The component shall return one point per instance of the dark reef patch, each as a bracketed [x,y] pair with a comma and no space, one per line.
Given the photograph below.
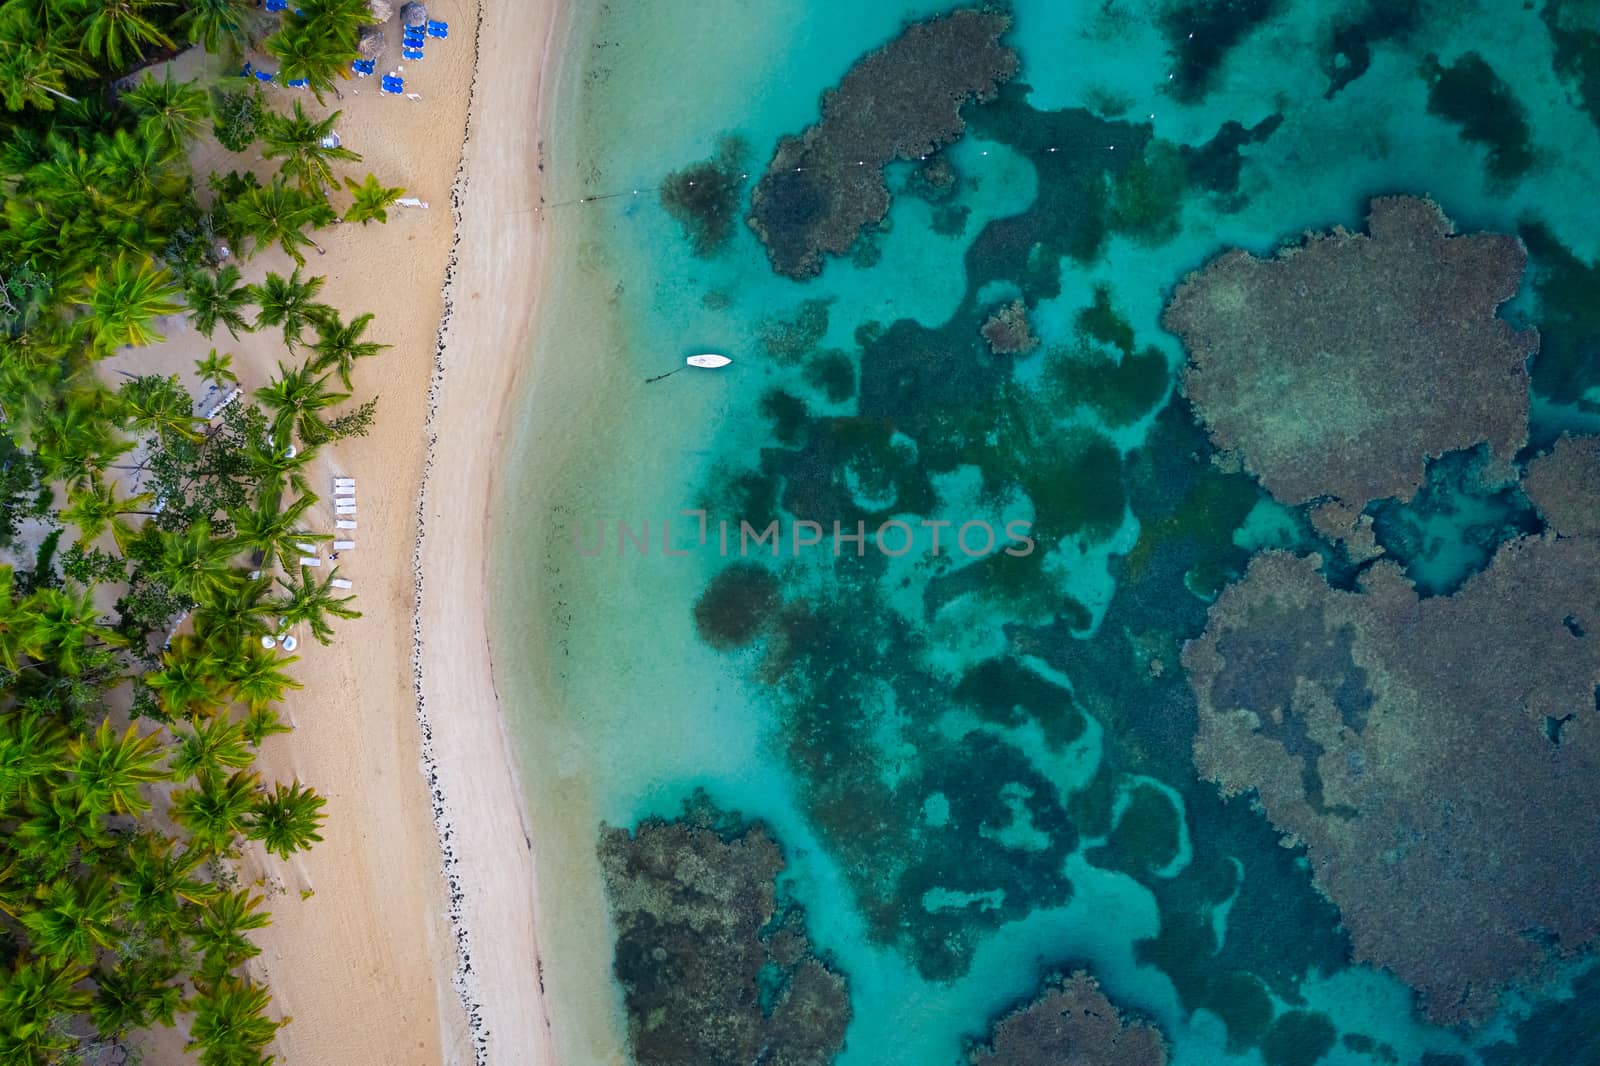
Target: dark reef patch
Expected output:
[1576,35]
[1215,165]
[1564,1031]
[1298,1038]
[1006,330]
[1350,49]
[1070,1021]
[715,965]
[1201,33]
[704,197]
[741,601]
[788,339]
[900,102]
[1470,94]
[833,373]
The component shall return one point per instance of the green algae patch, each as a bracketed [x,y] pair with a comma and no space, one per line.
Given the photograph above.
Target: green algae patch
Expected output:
[1295,361]
[1565,485]
[703,198]
[1470,94]
[1070,1021]
[1147,197]
[900,102]
[1298,1038]
[1426,819]
[1120,391]
[715,966]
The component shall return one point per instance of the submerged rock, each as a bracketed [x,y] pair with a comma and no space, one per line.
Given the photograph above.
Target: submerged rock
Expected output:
[1073,1022]
[1336,368]
[715,968]
[901,102]
[1428,753]
[1007,332]
[1565,486]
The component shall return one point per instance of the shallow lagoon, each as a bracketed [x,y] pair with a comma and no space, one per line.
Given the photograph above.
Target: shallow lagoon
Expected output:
[974,772]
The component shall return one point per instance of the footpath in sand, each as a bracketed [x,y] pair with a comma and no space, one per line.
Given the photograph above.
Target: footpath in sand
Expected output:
[400,952]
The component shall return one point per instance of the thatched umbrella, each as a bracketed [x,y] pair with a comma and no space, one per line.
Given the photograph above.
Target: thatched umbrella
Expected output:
[414,14]
[370,44]
[382,10]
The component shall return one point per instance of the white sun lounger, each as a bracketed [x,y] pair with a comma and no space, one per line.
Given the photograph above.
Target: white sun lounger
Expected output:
[340,479]
[303,546]
[341,583]
[344,523]
[344,508]
[310,560]
[344,545]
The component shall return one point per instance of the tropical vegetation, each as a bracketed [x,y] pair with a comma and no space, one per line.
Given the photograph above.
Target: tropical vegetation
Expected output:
[150,545]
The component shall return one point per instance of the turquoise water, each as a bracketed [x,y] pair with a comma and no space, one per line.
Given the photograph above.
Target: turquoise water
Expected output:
[979,769]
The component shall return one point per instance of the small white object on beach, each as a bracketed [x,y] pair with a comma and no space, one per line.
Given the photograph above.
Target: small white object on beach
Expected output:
[310,560]
[344,545]
[269,642]
[709,360]
[291,642]
[411,201]
[345,523]
[341,583]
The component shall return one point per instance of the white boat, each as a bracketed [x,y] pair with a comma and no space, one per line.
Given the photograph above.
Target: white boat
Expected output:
[710,360]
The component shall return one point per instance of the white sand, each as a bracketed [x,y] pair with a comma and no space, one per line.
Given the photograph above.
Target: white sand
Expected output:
[373,968]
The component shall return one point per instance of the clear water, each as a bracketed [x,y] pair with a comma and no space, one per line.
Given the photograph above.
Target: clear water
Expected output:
[625,709]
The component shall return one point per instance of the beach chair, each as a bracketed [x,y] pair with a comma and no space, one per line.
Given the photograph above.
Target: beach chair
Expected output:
[303,546]
[249,71]
[310,560]
[411,53]
[345,523]
[344,482]
[277,5]
[344,545]
[262,75]
[299,83]
[438,29]
[364,68]
[342,583]
[393,84]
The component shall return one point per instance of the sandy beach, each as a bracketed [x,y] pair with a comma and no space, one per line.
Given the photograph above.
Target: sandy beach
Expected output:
[407,935]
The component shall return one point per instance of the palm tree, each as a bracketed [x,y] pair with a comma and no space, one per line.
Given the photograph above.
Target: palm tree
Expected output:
[217,369]
[303,143]
[217,811]
[272,467]
[299,397]
[35,63]
[141,171]
[273,529]
[157,882]
[259,680]
[134,995]
[93,507]
[159,405]
[170,112]
[261,723]
[230,1026]
[286,820]
[109,771]
[113,27]
[290,302]
[234,616]
[279,214]
[371,200]
[187,682]
[213,24]
[56,830]
[77,436]
[64,625]
[34,997]
[72,920]
[214,745]
[217,299]
[123,300]
[339,345]
[314,49]
[31,747]
[312,602]
[196,565]
[221,928]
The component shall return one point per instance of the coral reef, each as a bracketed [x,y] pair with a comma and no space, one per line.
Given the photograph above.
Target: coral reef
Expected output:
[1071,1021]
[1007,332]
[704,197]
[787,340]
[1565,486]
[715,967]
[1336,368]
[900,102]
[1408,744]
